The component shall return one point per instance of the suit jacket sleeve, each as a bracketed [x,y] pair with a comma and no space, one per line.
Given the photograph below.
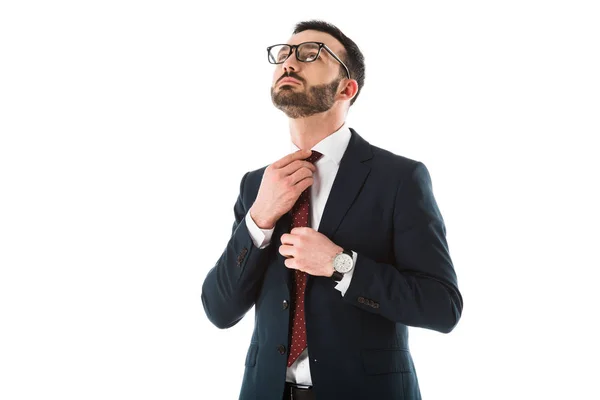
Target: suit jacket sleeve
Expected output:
[231,286]
[420,288]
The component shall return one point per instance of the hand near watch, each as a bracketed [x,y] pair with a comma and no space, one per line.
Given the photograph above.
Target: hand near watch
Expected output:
[310,251]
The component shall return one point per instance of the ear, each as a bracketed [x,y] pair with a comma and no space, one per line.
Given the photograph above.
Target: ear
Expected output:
[349,89]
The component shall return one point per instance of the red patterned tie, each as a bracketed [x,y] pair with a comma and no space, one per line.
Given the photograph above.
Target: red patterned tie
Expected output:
[300,217]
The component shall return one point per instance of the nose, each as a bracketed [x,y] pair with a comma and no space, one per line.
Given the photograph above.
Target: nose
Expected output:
[291,64]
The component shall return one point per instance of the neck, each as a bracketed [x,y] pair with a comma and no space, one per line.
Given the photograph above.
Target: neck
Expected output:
[307,132]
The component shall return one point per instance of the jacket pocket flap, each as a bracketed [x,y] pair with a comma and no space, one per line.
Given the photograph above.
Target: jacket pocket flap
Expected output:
[385,361]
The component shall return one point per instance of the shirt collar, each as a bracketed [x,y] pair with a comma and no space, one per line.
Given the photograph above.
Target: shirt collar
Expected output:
[333,146]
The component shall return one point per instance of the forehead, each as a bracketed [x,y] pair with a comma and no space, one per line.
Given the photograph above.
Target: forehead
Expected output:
[317,36]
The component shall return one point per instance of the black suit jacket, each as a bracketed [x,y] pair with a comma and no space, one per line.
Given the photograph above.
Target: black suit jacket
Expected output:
[382,206]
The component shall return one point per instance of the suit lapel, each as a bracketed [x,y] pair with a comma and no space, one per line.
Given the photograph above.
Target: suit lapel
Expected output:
[347,184]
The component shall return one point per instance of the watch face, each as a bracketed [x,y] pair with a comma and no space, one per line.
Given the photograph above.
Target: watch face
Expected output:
[343,263]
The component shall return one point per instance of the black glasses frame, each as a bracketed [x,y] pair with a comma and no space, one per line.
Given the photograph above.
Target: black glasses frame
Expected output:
[292,46]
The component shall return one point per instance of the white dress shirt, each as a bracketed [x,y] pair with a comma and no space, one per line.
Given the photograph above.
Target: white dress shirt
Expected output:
[333,148]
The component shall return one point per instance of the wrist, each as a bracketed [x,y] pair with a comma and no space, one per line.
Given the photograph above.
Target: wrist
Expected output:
[262,223]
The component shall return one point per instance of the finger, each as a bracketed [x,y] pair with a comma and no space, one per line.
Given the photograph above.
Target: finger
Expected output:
[288,239]
[303,184]
[297,165]
[297,155]
[290,263]
[300,175]
[299,230]
[287,251]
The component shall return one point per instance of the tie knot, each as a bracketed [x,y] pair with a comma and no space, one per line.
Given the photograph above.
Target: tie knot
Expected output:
[314,157]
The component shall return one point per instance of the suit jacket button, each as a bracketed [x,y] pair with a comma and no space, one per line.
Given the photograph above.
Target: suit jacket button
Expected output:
[281,349]
[361,299]
[285,304]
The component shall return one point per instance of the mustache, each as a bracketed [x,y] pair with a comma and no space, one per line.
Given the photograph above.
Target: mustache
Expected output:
[290,75]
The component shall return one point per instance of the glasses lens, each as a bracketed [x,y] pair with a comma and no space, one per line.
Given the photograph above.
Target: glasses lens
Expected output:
[279,53]
[308,51]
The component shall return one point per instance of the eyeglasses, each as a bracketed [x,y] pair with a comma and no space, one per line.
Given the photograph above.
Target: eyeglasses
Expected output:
[305,52]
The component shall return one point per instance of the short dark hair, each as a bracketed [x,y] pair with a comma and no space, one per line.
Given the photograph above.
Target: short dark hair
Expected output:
[353,58]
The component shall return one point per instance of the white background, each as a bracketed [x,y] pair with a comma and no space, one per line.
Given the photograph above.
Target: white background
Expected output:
[126,127]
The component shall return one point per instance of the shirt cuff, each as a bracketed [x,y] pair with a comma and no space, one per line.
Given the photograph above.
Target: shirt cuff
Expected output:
[260,237]
[344,283]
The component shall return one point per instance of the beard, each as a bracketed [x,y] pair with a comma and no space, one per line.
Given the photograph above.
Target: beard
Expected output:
[319,98]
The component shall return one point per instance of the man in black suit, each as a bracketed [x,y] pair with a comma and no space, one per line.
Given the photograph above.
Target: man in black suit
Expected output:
[332,305]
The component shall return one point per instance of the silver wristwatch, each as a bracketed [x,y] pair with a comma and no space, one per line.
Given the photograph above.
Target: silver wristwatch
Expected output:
[342,263]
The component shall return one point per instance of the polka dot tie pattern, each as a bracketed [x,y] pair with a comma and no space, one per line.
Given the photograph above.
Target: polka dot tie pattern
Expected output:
[300,218]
